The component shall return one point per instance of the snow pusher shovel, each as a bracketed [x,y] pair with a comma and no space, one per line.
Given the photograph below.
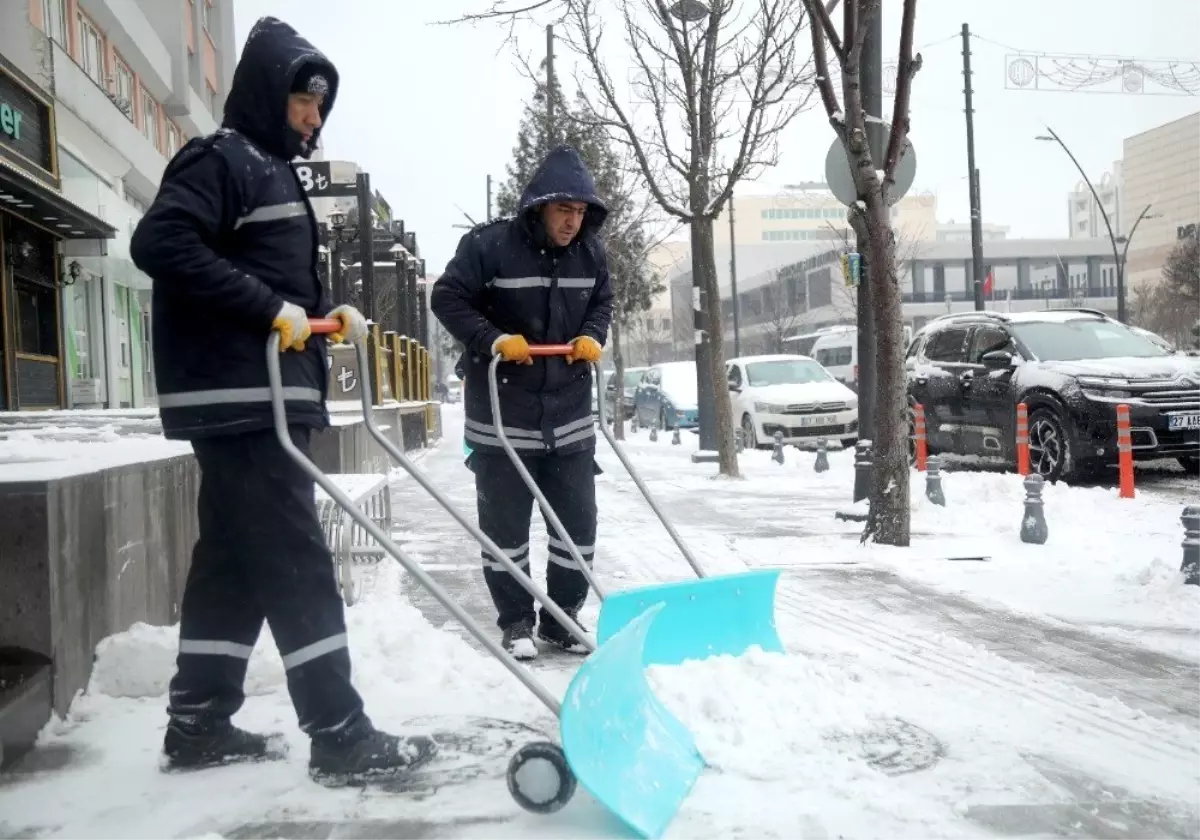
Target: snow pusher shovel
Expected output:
[726,614]
[612,726]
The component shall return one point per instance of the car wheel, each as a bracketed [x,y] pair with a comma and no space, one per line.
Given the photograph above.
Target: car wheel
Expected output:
[1050,454]
[1190,464]
[749,435]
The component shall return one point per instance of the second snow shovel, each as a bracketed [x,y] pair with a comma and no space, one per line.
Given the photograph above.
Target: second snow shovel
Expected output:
[726,614]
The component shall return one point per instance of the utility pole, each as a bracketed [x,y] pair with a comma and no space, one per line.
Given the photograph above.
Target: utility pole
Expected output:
[551,134]
[489,198]
[737,332]
[871,77]
[973,176]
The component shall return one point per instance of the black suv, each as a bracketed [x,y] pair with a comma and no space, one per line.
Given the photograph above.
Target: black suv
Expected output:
[1071,368]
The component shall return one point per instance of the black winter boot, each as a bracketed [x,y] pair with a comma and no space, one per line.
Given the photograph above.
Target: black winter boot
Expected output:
[210,745]
[551,632]
[518,640]
[365,754]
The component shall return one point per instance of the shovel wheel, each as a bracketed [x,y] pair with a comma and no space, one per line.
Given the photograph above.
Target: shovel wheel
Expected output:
[539,779]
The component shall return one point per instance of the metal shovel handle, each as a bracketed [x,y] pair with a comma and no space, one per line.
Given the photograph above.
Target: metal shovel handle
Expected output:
[324,326]
[637,479]
[543,502]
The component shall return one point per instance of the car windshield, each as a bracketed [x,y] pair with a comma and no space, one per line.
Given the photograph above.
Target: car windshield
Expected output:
[1066,341]
[679,382]
[785,372]
[633,377]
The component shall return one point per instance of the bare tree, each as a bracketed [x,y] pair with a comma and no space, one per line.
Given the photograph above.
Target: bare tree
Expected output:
[649,338]
[888,521]
[1170,305]
[781,313]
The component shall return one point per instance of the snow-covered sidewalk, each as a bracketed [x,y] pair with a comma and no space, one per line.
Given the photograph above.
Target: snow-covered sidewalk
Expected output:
[891,715]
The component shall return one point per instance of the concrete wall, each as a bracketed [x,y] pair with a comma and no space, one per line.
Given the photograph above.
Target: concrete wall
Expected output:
[88,556]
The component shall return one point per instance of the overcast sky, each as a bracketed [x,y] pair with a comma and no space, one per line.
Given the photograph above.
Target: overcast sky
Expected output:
[430,110]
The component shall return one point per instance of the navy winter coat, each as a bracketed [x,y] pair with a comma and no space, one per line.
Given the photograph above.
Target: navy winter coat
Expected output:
[228,239]
[508,278]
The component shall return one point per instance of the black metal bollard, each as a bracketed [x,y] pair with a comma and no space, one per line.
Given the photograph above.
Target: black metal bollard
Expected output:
[654,432]
[822,462]
[933,480]
[863,467]
[1191,545]
[675,437]
[777,453]
[1033,524]
[739,440]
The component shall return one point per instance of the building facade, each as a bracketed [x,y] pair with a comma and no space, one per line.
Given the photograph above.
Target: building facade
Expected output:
[814,215]
[1085,219]
[129,82]
[1162,173]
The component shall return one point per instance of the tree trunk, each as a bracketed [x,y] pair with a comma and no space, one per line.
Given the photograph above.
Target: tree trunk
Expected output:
[618,411]
[704,261]
[888,521]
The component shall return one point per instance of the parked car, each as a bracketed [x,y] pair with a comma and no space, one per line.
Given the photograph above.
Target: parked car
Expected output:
[633,375]
[836,350]
[453,389]
[791,394]
[1071,368]
[667,393]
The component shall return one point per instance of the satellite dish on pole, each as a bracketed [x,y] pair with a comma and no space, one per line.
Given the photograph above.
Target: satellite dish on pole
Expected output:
[841,180]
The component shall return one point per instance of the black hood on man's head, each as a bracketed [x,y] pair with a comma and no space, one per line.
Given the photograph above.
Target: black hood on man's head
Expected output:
[563,176]
[257,103]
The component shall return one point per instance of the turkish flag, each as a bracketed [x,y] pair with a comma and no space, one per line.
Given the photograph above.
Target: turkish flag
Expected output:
[987,284]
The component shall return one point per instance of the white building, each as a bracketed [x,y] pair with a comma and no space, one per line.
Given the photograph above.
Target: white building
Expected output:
[1086,220]
[131,81]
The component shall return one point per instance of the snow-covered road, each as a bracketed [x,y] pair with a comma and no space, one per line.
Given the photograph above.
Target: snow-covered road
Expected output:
[1043,691]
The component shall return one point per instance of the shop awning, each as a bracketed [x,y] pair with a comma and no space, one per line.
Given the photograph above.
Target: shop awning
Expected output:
[24,196]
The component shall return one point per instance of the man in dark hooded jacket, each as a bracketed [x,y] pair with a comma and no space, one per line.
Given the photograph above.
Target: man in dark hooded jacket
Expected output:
[231,245]
[539,278]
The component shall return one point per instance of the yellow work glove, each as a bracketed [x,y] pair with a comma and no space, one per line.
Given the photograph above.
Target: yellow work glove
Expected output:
[585,349]
[354,325]
[512,348]
[291,322]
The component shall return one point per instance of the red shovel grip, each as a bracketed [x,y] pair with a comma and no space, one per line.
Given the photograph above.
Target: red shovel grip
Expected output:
[325,326]
[551,350]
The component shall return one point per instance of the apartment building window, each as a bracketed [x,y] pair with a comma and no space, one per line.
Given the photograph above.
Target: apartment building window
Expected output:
[122,86]
[172,139]
[205,9]
[212,99]
[91,50]
[54,19]
[150,119]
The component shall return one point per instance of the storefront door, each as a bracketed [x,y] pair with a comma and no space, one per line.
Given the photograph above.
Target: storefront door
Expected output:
[33,355]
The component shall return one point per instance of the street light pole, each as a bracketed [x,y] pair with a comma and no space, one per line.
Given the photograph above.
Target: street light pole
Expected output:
[1112,237]
[1132,231]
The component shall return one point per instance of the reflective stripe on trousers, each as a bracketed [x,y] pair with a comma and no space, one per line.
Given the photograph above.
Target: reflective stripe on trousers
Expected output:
[520,556]
[484,434]
[216,647]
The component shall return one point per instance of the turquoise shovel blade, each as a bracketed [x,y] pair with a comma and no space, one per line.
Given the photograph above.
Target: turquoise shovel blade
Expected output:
[700,618]
[623,746]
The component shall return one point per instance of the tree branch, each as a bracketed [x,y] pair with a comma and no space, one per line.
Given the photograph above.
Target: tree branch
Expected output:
[907,69]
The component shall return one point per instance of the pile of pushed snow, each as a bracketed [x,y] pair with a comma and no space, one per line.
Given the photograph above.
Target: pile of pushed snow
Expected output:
[773,716]
[397,656]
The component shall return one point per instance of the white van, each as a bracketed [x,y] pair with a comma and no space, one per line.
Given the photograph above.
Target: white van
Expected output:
[837,352]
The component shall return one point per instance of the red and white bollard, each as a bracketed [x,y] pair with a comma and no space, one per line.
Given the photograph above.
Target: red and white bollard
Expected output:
[920,440]
[1022,439]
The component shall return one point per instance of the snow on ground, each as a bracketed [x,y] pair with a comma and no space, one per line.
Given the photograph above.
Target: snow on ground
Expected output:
[50,452]
[1109,563]
[797,744]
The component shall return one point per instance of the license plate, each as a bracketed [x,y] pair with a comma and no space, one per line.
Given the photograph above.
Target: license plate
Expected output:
[817,420]
[1184,421]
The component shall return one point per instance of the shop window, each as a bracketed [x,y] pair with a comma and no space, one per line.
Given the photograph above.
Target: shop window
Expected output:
[36,332]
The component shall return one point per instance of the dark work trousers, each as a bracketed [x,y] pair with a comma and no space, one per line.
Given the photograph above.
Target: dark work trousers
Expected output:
[261,554]
[505,507]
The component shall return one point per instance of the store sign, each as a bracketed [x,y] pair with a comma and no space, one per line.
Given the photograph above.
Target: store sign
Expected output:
[26,127]
[320,181]
[345,379]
